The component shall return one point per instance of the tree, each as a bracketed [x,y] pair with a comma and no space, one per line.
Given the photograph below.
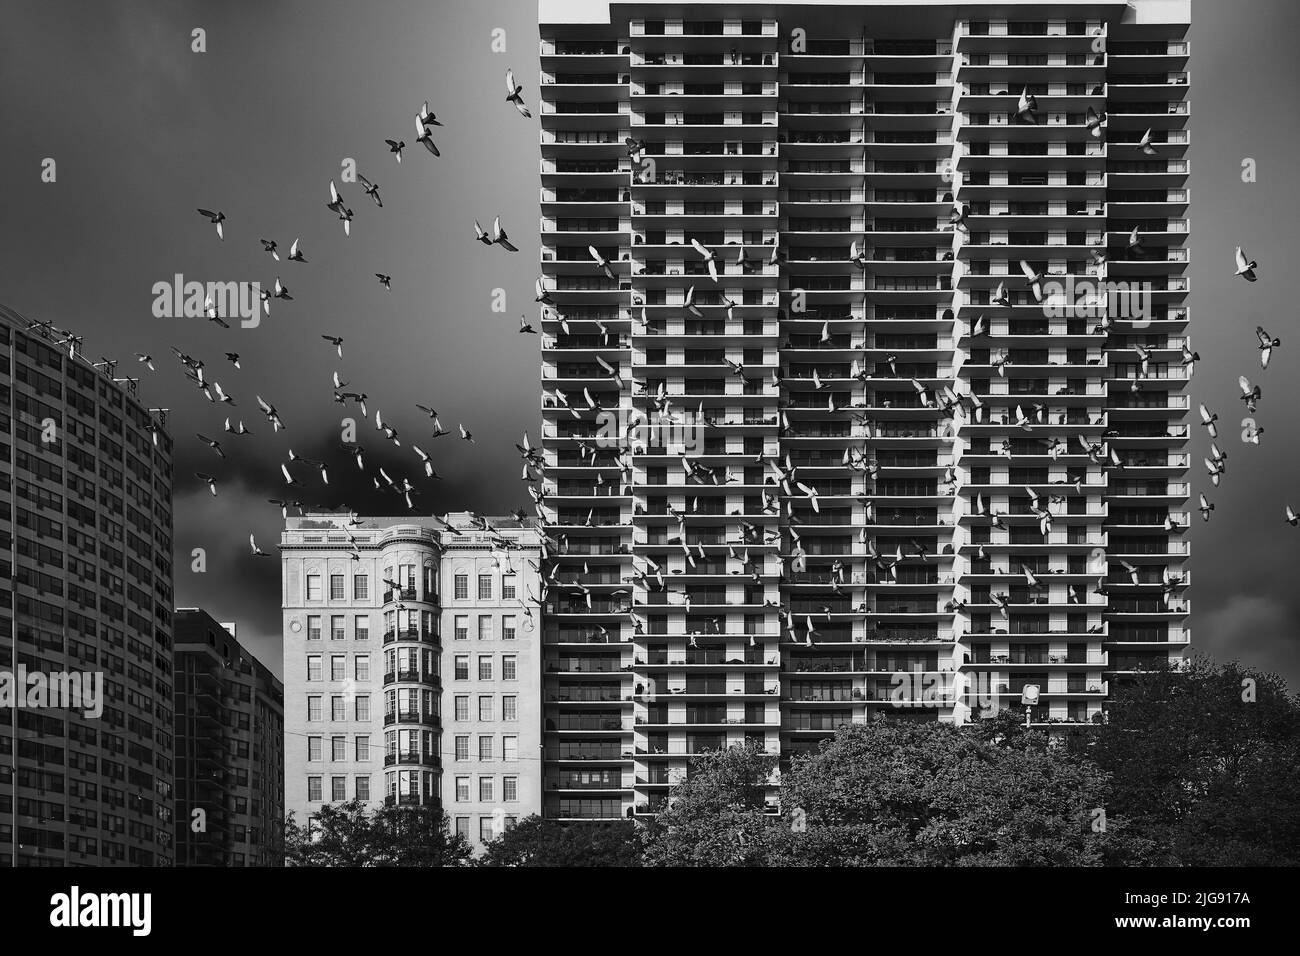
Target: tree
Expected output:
[715,817]
[900,793]
[534,841]
[1205,761]
[350,834]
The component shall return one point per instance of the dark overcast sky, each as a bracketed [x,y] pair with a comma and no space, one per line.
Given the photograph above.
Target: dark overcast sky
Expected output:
[143,131]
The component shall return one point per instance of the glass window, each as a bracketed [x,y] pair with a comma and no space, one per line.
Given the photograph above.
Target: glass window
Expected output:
[485,833]
[361,627]
[462,587]
[338,666]
[313,748]
[485,748]
[485,667]
[507,587]
[336,587]
[485,587]
[363,788]
[462,748]
[337,709]
[363,707]
[338,748]
[361,591]
[337,629]
[462,789]
[313,707]
[461,627]
[508,667]
[510,789]
[462,666]
[363,748]
[484,627]
[313,788]
[510,748]
[338,788]
[485,789]
[462,824]
[313,587]
[313,627]
[462,708]
[508,627]
[361,667]
[510,707]
[485,708]
[313,667]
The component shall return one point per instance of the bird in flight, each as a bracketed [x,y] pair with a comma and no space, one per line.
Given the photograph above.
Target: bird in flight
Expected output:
[146,360]
[257,552]
[1245,267]
[1145,144]
[336,341]
[295,254]
[500,238]
[212,443]
[385,281]
[424,136]
[1267,344]
[371,189]
[271,414]
[525,327]
[212,482]
[216,218]
[395,147]
[1291,517]
[270,246]
[1250,394]
[514,94]
[233,358]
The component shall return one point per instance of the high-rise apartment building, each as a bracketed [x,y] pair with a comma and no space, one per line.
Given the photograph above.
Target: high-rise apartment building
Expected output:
[412,665]
[229,711]
[86,579]
[931,407]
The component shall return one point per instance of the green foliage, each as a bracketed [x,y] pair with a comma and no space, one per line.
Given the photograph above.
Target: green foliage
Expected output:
[534,841]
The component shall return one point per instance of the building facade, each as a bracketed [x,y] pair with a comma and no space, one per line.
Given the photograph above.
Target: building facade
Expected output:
[412,666]
[229,712]
[86,576]
[854,253]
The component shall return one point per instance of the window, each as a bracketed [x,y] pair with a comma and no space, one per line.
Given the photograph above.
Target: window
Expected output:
[461,628]
[462,826]
[313,788]
[462,789]
[484,627]
[510,707]
[361,667]
[485,708]
[338,748]
[485,667]
[508,627]
[361,628]
[338,788]
[337,631]
[485,830]
[462,666]
[313,627]
[363,707]
[361,590]
[313,587]
[430,582]
[338,667]
[462,587]
[462,748]
[313,748]
[485,789]
[313,707]
[509,667]
[485,748]
[337,709]
[313,667]
[485,587]
[363,749]
[462,708]
[510,747]
[507,587]
[336,587]
[509,789]
[363,788]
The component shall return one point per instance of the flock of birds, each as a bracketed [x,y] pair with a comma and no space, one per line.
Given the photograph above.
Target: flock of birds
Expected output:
[235,432]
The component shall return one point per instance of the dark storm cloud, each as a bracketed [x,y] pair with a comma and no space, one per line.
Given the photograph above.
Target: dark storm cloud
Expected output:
[143,131]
